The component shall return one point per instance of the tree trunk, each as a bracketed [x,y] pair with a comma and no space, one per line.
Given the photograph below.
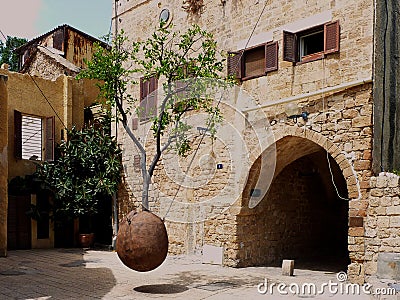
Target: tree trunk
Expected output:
[145,192]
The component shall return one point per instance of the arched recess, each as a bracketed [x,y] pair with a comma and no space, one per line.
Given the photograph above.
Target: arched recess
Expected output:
[302,216]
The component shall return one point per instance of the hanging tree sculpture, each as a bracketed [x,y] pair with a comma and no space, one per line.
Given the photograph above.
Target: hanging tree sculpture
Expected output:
[169,56]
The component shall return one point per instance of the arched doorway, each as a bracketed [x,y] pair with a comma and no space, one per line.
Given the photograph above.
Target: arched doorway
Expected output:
[304,214]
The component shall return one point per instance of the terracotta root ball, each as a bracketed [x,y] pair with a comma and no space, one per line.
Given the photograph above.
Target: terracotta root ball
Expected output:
[142,241]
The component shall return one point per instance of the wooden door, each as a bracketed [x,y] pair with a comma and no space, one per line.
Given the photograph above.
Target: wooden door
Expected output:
[18,223]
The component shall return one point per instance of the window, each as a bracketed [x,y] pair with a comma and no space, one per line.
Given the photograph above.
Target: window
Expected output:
[253,62]
[148,98]
[34,137]
[311,44]
[58,39]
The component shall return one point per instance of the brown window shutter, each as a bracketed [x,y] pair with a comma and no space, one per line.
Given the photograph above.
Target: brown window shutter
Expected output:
[58,39]
[289,46]
[152,103]
[49,139]
[235,64]
[17,134]
[144,91]
[271,57]
[331,37]
[148,99]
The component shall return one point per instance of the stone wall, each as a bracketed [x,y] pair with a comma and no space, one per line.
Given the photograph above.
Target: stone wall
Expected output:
[300,218]
[47,67]
[233,21]
[382,223]
[3,164]
[340,122]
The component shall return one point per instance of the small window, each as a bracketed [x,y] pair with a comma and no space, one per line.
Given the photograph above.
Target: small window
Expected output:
[148,98]
[58,40]
[34,137]
[31,137]
[253,62]
[311,44]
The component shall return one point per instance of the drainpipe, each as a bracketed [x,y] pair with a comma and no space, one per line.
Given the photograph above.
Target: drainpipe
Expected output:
[327,90]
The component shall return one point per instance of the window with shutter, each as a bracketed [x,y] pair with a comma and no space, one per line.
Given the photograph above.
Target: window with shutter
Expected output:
[311,44]
[33,137]
[253,62]
[148,98]
[271,57]
[331,37]
[289,46]
[31,133]
[235,64]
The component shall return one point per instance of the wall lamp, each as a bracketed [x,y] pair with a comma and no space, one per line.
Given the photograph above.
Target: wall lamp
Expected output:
[293,112]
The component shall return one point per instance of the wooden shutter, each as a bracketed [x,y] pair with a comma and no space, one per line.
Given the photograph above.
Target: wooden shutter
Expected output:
[289,46]
[144,91]
[235,64]
[152,97]
[17,134]
[49,138]
[58,39]
[331,37]
[148,99]
[271,57]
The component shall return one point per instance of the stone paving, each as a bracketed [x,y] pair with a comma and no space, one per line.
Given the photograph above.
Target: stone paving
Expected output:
[91,274]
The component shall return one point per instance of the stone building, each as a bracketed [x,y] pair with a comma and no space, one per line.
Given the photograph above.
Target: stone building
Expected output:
[35,107]
[33,113]
[321,204]
[59,51]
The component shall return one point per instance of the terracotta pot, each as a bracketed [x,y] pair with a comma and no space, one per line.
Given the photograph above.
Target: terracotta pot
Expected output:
[142,241]
[86,239]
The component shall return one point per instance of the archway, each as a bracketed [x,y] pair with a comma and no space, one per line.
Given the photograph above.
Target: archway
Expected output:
[304,214]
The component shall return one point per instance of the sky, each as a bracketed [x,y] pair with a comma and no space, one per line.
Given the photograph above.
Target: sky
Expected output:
[32,18]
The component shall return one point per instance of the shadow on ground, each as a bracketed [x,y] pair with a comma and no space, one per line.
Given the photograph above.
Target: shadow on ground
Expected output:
[161,289]
[60,274]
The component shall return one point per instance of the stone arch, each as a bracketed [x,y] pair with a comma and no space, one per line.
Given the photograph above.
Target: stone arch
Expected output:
[315,139]
[296,148]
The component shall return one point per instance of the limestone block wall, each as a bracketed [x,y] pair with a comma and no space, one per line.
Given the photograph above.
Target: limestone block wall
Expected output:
[382,223]
[232,22]
[340,122]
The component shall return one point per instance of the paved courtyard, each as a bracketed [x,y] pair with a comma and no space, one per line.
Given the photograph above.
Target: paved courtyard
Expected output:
[90,274]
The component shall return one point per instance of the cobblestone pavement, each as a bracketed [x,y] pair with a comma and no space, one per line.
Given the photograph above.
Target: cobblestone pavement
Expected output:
[80,274]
